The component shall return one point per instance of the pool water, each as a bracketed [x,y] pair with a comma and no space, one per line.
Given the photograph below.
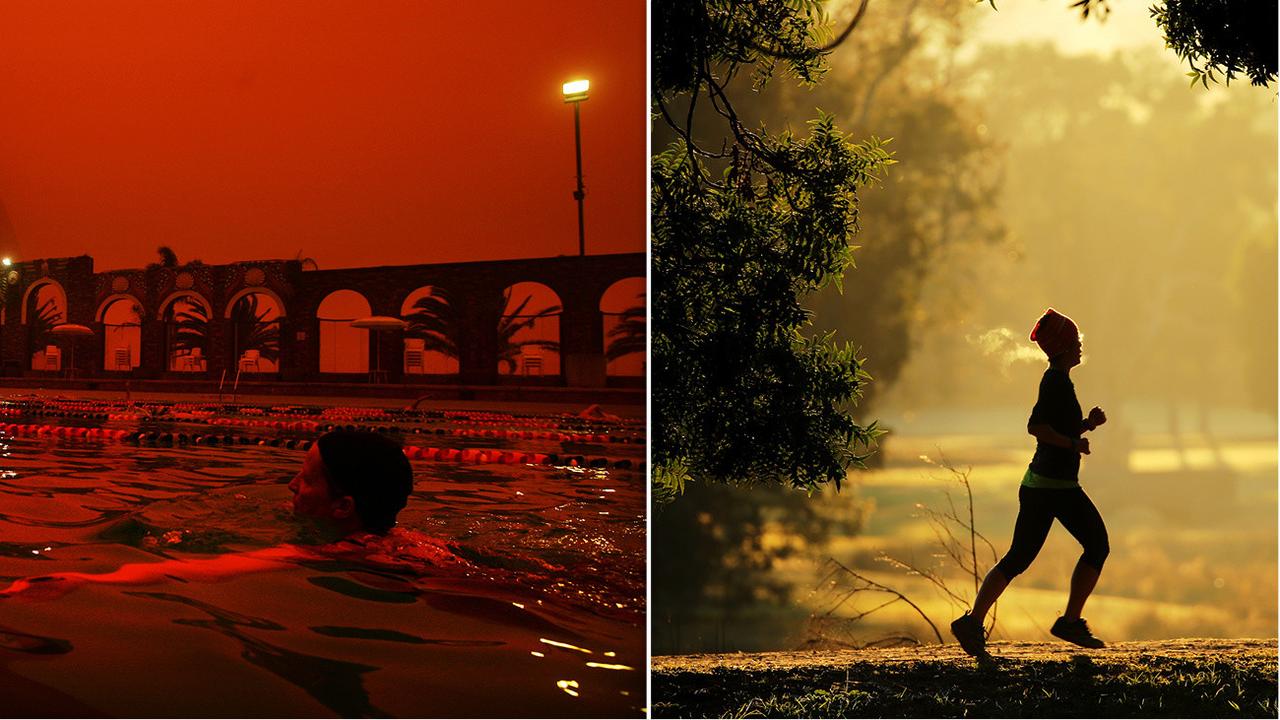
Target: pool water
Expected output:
[507,590]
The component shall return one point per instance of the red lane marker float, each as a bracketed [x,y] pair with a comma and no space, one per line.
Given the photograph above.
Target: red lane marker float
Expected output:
[539,435]
[472,456]
[506,457]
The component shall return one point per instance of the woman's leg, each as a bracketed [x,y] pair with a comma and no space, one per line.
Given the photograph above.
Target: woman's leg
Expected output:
[1081,518]
[1035,517]
[992,588]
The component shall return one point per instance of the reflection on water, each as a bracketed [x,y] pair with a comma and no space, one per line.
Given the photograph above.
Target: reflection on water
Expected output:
[337,685]
[529,574]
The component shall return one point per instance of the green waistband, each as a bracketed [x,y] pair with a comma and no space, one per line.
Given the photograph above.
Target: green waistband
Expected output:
[1040,481]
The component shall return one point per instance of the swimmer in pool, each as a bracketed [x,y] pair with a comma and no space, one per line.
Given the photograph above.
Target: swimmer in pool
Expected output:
[352,484]
[353,481]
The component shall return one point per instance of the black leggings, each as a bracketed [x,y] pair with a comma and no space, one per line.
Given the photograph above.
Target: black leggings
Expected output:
[1037,508]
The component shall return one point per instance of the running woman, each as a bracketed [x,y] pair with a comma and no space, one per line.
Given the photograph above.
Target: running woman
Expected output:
[1050,489]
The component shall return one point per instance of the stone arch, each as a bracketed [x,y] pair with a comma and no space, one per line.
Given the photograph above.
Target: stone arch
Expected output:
[343,349]
[433,338]
[35,289]
[528,331]
[176,294]
[185,315]
[120,316]
[253,322]
[109,300]
[283,311]
[42,350]
[622,310]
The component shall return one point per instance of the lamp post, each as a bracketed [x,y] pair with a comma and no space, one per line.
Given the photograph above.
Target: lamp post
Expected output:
[575,92]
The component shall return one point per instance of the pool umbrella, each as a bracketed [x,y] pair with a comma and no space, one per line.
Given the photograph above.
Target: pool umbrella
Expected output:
[72,331]
[378,323]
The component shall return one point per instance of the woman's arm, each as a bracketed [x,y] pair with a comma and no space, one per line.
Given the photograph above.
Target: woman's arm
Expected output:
[1045,433]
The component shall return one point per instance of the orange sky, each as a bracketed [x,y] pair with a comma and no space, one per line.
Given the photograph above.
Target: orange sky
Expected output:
[359,132]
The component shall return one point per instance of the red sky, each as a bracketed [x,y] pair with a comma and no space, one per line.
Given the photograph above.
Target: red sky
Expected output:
[361,132]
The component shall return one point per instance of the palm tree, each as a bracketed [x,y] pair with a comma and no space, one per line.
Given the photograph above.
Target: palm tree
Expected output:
[42,323]
[439,323]
[307,263]
[628,336]
[253,330]
[512,323]
[190,326]
[168,258]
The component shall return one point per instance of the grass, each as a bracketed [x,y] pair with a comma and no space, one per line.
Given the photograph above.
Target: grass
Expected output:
[1141,680]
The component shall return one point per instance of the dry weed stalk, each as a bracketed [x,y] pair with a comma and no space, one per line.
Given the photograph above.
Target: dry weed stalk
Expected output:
[958,538]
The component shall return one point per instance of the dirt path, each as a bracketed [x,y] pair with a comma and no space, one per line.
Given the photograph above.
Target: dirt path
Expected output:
[1167,678]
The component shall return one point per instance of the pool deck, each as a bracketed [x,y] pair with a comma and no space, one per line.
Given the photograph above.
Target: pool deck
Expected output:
[623,402]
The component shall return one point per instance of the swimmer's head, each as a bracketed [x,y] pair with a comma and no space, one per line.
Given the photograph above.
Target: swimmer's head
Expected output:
[356,480]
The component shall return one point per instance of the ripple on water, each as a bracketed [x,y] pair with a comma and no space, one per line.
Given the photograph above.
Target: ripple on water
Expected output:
[514,570]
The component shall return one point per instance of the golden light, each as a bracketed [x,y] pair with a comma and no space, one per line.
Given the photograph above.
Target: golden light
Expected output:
[7,262]
[576,90]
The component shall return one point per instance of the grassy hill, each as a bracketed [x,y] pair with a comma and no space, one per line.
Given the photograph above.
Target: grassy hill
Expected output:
[1164,678]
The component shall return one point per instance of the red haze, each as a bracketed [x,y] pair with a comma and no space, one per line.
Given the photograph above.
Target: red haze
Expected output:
[361,133]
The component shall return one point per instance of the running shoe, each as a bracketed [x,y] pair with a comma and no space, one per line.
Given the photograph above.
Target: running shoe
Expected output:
[969,632]
[1076,631]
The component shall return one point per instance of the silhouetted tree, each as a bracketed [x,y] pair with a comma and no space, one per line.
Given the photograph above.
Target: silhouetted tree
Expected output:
[439,323]
[190,326]
[715,553]
[746,224]
[939,210]
[253,330]
[308,263]
[1214,37]
[709,561]
[513,322]
[168,258]
[42,322]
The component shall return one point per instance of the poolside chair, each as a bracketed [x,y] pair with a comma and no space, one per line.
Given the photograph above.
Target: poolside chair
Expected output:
[531,361]
[188,361]
[123,361]
[249,361]
[52,357]
[414,355]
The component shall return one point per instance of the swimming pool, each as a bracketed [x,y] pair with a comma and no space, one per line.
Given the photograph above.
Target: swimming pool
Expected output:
[512,589]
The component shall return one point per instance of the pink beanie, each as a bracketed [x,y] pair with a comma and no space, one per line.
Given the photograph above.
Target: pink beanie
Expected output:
[1054,332]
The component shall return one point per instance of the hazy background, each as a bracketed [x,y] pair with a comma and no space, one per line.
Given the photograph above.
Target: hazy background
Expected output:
[1044,161]
[355,133]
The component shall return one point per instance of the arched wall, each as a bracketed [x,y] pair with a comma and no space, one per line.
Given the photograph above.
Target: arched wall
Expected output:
[110,299]
[579,282]
[284,310]
[35,288]
[114,337]
[528,331]
[164,304]
[432,352]
[622,311]
[343,349]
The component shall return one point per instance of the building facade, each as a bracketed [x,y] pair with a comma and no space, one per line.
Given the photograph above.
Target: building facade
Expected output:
[537,321]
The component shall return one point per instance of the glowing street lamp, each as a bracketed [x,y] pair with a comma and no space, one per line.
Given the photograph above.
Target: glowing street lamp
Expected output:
[575,92]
